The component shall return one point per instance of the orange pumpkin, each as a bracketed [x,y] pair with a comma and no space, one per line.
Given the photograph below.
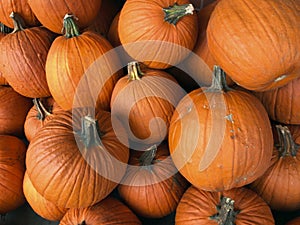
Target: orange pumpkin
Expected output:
[4,30]
[294,221]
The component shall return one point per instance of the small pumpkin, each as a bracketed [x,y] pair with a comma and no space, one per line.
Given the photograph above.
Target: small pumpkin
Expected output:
[236,206]
[256,42]
[160,29]
[220,138]
[39,204]
[106,212]
[12,169]
[279,185]
[78,64]
[152,186]
[4,30]
[23,58]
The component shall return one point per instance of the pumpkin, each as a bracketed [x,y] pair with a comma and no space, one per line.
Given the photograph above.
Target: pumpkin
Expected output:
[163,31]
[12,168]
[256,42]
[39,204]
[39,114]
[236,206]
[4,30]
[75,154]
[18,6]
[144,101]
[294,221]
[13,110]
[23,59]
[51,13]
[82,65]
[220,138]
[152,186]
[106,212]
[282,104]
[279,186]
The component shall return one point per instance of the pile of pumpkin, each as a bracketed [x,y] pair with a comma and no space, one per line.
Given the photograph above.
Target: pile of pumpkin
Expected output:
[188,107]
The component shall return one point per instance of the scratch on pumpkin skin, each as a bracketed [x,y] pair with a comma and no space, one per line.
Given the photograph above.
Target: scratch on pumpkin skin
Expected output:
[229,118]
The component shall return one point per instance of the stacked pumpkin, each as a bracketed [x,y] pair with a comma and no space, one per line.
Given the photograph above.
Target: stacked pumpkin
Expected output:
[98,125]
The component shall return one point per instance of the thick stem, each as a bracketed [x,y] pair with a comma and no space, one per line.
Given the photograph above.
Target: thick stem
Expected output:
[219,83]
[134,71]
[18,22]
[148,156]
[174,13]
[4,29]
[82,223]
[70,29]
[90,132]
[42,111]
[226,214]
[287,146]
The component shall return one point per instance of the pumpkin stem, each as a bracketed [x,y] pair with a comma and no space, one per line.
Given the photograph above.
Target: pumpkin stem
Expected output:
[287,146]
[4,29]
[90,132]
[42,111]
[226,214]
[18,22]
[219,83]
[134,71]
[82,223]
[148,156]
[69,26]
[174,13]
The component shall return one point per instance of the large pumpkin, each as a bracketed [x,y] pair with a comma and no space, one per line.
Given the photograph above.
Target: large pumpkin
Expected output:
[70,165]
[77,65]
[152,186]
[51,13]
[12,169]
[13,111]
[106,212]
[220,138]
[256,42]
[23,59]
[144,101]
[163,31]
[236,206]
[4,30]
[279,186]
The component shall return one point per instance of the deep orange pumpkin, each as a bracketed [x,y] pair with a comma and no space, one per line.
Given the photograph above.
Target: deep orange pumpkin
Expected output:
[70,165]
[39,204]
[81,57]
[23,59]
[108,211]
[294,221]
[236,206]
[12,169]
[163,31]
[152,186]
[220,138]
[4,30]
[279,186]
[256,42]
[51,13]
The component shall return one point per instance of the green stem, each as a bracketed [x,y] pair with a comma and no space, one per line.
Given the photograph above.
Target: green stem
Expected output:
[148,156]
[42,111]
[287,146]
[134,71]
[219,83]
[226,214]
[18,22]
[4,29]
[69,26]
[174,13]
[90,132]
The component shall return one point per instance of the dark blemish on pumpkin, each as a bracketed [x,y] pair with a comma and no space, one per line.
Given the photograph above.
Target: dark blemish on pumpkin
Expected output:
[232,136]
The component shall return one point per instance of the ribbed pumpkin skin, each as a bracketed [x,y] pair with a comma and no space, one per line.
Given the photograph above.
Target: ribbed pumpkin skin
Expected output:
[23,59]
[197,206]
[107,212]
[149,24]
[152,192]
[12,169]
[68,61]
[39,204]
[245,139]
[57,167]
[283,104]
[13,111]
[256,42]
[51,13]
[294,221]
[18,6]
